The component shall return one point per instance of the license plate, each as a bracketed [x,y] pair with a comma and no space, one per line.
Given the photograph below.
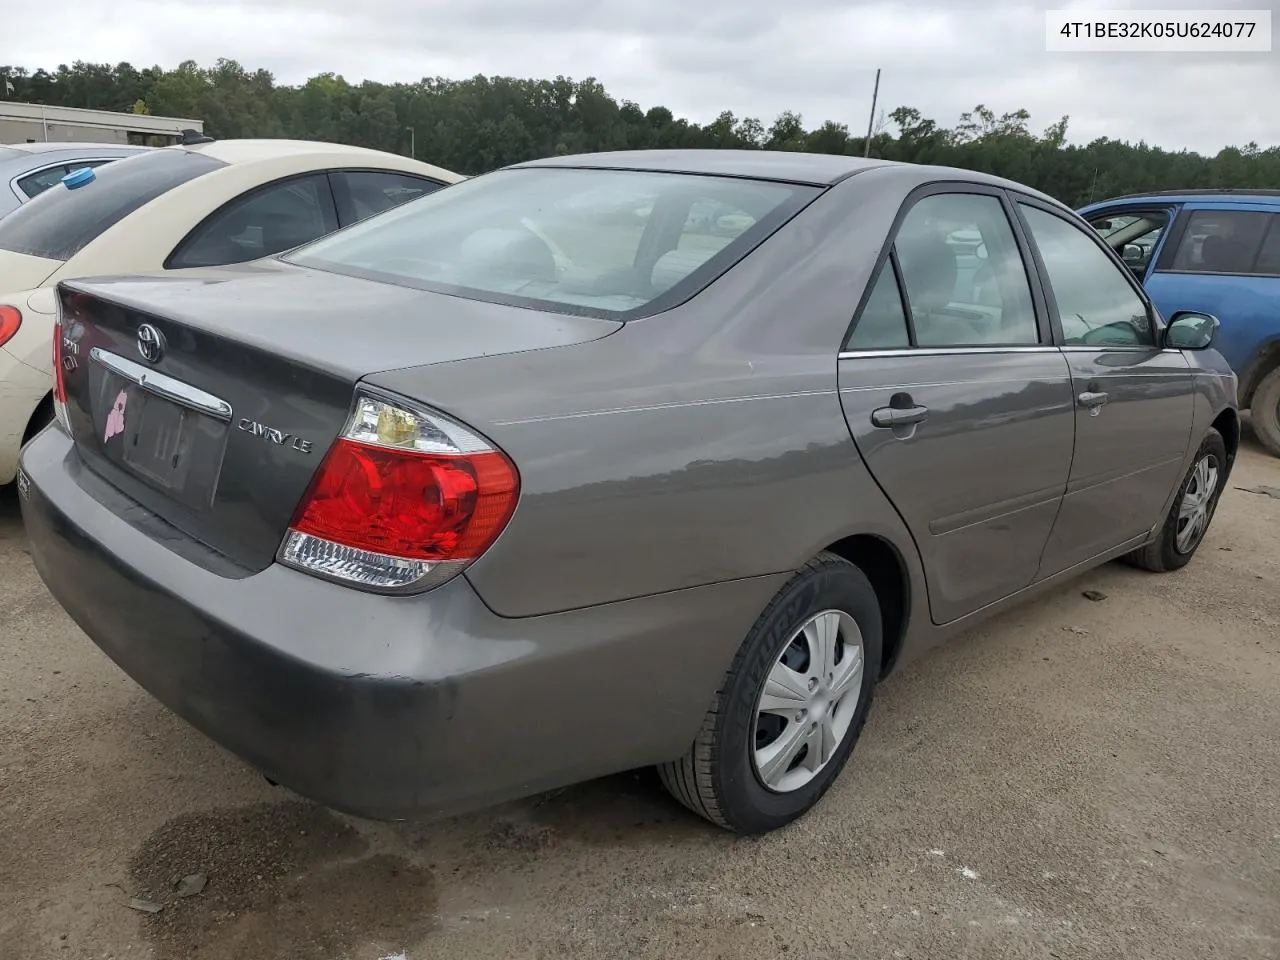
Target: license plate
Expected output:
[156,441]
[164,444]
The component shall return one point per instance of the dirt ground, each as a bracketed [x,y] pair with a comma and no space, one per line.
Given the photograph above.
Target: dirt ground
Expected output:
[1076,779]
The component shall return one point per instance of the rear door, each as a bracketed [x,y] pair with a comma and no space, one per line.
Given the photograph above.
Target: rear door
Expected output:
[1133,400]
[956,398]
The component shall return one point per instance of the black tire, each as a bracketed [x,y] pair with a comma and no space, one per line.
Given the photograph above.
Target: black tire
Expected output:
[1264,412]
[1162,553]
[41,418]
[717,778]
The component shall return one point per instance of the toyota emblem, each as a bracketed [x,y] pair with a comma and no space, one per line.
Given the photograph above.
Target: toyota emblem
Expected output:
[150,343]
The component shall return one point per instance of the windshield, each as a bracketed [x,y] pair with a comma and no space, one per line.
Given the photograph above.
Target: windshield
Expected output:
[597,242]
[57,224]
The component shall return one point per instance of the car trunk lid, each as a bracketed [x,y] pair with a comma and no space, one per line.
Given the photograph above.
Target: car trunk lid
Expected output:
[212,399]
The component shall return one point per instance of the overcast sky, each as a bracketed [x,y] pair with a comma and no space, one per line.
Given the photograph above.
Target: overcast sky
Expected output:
[754,57]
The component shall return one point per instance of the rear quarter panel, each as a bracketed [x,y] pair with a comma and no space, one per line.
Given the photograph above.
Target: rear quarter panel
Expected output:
[704,444]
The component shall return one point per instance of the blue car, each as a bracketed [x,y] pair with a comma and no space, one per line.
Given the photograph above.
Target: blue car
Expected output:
[1217,252]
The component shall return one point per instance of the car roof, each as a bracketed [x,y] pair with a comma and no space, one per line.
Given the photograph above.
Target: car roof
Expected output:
[251,151]
[1221,195]
[56,146]
[821,169]
[818,169]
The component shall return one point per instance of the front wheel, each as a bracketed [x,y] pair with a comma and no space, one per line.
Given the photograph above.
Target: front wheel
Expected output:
[792,705]
[1192,511]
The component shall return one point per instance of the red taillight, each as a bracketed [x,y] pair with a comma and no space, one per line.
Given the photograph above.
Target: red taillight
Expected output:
[10,321]
[411,505]
[404,499]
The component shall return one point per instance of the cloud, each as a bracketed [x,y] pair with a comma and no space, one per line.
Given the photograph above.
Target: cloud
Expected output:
[754,57]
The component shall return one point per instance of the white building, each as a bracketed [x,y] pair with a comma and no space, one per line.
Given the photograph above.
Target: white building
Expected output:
[36,123]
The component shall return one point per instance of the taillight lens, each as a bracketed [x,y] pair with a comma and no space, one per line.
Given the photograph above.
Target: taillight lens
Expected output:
[403,500]
[10,321]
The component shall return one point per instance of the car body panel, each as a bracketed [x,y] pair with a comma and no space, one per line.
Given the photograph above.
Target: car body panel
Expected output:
[386,728]
[1129,451]
[674,474]
[980,481]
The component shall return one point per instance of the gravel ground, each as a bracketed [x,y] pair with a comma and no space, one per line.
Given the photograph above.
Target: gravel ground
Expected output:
[1076,779]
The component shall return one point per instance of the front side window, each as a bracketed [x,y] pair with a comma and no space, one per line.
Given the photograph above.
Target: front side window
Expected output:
[1096,302]
[262,223]
[1133,236]
[1221,241]
[362,193]
[964,278]
[58,223]
[612,243]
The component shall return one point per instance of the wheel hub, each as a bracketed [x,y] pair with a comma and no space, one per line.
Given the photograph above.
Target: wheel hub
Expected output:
[808,701]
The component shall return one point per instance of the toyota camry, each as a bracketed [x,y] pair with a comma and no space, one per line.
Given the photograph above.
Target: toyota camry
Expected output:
[606,461]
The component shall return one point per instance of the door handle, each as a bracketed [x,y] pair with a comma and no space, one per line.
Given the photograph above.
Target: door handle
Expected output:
[1092,398]
[899,416]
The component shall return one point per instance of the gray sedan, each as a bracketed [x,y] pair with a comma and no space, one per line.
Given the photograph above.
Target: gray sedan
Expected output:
[29,169]
[540,477]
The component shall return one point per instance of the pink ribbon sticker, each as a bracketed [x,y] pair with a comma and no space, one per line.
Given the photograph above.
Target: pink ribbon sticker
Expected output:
[115,419]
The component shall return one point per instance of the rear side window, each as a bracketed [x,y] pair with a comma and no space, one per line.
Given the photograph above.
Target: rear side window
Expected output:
[267,221]
[1269,255]
[59,223]
[611,243]
[1221,241]
[362,193]
[40,181]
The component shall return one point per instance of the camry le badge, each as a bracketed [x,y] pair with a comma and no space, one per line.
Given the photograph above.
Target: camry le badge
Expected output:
[272,435]
[150,343]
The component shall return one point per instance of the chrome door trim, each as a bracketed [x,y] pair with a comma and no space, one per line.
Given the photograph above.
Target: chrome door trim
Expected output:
[164,386]
[942,351]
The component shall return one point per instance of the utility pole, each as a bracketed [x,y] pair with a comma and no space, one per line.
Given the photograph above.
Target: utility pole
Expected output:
[413,155]
[871,120]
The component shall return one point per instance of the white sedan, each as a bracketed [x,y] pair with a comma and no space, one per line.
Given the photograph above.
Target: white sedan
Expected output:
[195,205]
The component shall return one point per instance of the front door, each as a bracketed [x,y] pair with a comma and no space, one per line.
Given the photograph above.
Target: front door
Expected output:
[959,404]
[1133,399]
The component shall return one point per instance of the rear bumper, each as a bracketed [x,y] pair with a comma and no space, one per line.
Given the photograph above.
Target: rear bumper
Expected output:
[380,706]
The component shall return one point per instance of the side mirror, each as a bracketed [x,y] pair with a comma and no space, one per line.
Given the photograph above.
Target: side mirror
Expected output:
[1132,253]
[980,251]
[1189,330]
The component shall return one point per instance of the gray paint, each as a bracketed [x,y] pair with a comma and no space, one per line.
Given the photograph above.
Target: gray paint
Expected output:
[674,471]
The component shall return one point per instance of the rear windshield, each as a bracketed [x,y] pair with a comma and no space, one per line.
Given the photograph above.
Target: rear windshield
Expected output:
[58,223]
[611,243]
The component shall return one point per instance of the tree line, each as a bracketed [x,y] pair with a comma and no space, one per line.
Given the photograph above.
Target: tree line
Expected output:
[481,123]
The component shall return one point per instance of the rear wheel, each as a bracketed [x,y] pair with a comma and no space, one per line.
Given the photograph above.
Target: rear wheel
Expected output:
[41,418]
[1264,411]
[1192,510]
[792,705]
